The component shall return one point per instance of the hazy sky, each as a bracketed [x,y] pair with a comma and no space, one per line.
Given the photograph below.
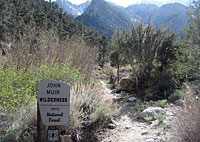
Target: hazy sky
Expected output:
[129,2]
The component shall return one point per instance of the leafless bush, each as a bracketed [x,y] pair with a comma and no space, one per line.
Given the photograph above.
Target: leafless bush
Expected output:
[81,55]
[187,126]
[36,48]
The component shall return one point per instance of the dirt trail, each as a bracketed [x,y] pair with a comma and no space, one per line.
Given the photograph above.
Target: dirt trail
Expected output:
[129,128]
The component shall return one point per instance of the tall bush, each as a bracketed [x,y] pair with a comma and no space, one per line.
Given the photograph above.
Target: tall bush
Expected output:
[150,52]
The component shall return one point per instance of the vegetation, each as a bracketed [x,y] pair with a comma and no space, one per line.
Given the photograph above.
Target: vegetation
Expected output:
[19,86]
[140,105]
[186,128]
[151,53]
[24,125]
[86,104]
[189,57]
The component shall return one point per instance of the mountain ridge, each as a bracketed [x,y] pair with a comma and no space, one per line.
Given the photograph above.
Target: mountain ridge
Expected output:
[105,17]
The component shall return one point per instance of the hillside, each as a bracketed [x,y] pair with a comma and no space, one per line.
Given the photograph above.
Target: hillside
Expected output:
[19,16]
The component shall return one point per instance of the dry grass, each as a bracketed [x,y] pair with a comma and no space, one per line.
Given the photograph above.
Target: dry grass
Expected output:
[88,103]
[23,126]
[187,126]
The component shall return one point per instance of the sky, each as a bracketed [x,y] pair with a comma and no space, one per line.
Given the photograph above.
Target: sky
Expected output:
[125,3]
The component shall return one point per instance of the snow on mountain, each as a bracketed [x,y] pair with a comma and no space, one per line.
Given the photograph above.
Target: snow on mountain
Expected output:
[73,9]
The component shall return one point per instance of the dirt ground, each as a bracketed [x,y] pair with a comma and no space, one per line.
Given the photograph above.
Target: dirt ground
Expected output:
[131,129]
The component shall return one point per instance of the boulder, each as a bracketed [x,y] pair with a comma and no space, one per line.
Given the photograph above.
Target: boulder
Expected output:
[150,112]
[170,119]
[132,99]
[126,84]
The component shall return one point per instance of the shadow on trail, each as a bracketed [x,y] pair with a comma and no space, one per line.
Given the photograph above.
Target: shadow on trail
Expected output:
[127,110]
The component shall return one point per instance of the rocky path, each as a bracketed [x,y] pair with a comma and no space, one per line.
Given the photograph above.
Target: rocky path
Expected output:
[127,128]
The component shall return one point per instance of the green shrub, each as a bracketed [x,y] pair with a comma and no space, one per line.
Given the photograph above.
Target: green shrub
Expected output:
[160,116]
[178,94]
[16,88]
[19,86]
[159,103]
[139,105]
[162,103]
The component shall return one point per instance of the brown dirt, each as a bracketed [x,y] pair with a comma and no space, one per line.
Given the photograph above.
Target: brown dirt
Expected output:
[129,128]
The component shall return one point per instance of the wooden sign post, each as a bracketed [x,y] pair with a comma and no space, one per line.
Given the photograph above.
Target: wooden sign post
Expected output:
[53,109]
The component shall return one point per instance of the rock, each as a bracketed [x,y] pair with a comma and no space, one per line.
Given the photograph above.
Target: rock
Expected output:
[132,99]
[102,83]
[150,140]
[170,119]
[150,111]
[111,126]
[101,133]
[126,84]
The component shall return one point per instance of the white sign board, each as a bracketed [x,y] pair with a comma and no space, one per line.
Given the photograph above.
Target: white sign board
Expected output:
[54,101]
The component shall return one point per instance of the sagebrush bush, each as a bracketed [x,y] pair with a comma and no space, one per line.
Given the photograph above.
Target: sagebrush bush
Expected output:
[187,126]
